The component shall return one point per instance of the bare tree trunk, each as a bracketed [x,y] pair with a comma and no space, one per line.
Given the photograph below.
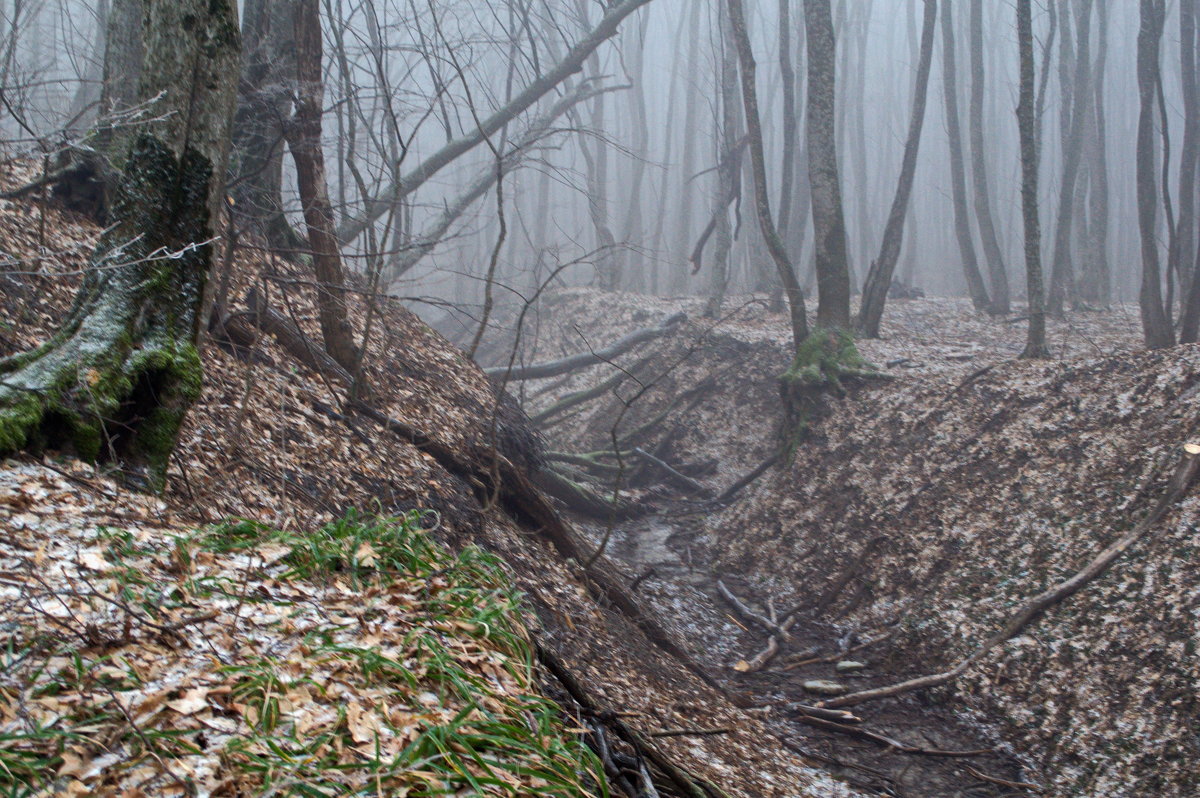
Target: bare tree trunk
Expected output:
[1155,324]
[1186,249]
[265,94]
[1062,278]
[791,126]
[116,380]
[304,141]
[1035,343]
[729,168]
[958,173]
[983,200]
[829,221]
[879,280]
[683,225]
[758,164]
[634,222]
[1096,285]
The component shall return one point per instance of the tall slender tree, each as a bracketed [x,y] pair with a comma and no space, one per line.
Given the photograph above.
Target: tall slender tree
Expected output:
[1062,278]
[829,221]
[958,173]
[879,280]
[1035,343]
[1156,325]
[758,166]
[997,272]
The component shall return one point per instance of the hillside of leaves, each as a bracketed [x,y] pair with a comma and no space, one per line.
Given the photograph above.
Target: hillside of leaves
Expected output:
[281,445]
[918,511]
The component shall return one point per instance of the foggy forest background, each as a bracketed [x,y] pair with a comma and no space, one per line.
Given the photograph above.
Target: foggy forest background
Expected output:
[612,178]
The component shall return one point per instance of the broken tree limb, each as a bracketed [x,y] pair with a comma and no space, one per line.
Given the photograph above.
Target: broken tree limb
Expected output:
[680,479]
[749,614]
[292,339]
[1177,488]
[582,499]
[736,488]
[582,397]
[582,360]
[875,737]
[526,504]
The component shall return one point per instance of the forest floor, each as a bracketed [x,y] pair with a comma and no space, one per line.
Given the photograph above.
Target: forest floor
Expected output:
[277,441]
[915,512]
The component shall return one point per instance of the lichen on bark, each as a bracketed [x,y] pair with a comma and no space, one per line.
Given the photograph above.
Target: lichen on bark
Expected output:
[115,381]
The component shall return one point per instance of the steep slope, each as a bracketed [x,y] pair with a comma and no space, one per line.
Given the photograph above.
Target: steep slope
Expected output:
[276,441]
[918,513]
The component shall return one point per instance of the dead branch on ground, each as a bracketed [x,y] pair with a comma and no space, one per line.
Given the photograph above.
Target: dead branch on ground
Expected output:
[1177,488]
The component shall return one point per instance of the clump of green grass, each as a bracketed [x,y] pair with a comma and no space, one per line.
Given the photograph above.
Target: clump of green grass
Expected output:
[438,699]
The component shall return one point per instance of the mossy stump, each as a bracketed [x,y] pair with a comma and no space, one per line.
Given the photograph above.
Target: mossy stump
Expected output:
[113,384]
[824,361]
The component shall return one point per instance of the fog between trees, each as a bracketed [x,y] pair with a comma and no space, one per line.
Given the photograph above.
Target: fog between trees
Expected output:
[621,184]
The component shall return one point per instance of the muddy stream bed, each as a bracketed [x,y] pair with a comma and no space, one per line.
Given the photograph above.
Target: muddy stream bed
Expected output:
[668,563]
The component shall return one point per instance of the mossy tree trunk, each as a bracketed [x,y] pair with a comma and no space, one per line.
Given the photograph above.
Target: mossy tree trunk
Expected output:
[114,383]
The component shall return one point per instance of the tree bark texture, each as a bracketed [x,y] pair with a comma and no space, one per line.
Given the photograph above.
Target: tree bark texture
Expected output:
[758,166]
[1156,327]
[265,95]
[304,141]
[829,221]
[117,378]
[1035,343]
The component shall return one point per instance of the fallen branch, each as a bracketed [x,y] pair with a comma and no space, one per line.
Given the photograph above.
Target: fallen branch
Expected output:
[582,499]
[749,614]
[875,737]
[1177,488]
[558,669]
[1012,785]
[680,479]
[582,360]
[582,397]
[737,487]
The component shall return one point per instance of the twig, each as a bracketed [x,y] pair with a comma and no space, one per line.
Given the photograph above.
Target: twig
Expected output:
[749,614]
[1013,785]
[690,732]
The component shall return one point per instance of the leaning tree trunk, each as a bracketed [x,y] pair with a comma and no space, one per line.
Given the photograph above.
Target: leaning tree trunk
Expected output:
[829,221]
[958,170]
[879,280]
[115,381]
[758,168]
[304,140]
[1155,323]
[1035,344]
